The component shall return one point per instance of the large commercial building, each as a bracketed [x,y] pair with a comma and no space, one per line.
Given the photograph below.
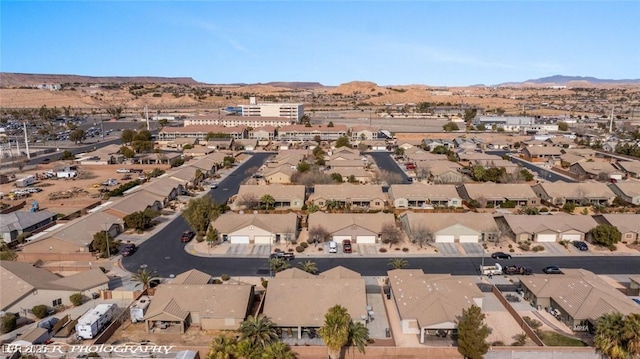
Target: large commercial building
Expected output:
[293,111]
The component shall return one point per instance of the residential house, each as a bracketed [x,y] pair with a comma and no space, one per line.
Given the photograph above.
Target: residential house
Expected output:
[281,174]
[15,223]
[464,144]
[551,228]
[175,307]
[375,145]
[627,224]
[209,164]
[428,304]
[157,158]
[255,228]
[297,300]
[348,196]
[577,298]
[362,228]
[346,163]
[419,195]
[303,133]
[630,168]
[246,144]
[264,133]
[181,142]
[495,194]
[362,133]
[166,187]
[541,153]
[352,174]
[343,153]
[559,193]
[629,191]
[599,170]
[440,172]
[221,143]
[138,201]
[25,286]
[285,196]
[198,151]
[467,227]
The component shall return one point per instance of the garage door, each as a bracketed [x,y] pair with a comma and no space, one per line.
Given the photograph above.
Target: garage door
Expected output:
[366,239]
[469,239]
[444,239]
[239,239]
[546,237]
[262,239]
[571,237]
[339,239]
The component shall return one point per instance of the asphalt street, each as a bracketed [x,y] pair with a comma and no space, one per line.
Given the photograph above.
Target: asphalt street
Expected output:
[544,173]
[385,162]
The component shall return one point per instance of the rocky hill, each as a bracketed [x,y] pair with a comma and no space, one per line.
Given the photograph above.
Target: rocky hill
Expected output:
[576,81]
[8,79]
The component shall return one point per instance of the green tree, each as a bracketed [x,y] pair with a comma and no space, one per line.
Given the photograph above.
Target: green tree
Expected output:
[67,155]
[76,299]
[608,337]
[222,347]
[526,175]
[77,136]
[127,152]
[127,136]
[336,177]
[631,334]
[100,243]
[563,126]
[472,333]
[450,126]
[267,200]
[481,127]
[399,151]
[309,267]
[200,212]
[277,350]
[569,207]
[259,330]
[8,323]
[40,311]
[398,263]
[303,167]
[470,114]
[277,265]
[144,277]
[330,124]
[163,122]
[605,234]
[335,331]
[342,141]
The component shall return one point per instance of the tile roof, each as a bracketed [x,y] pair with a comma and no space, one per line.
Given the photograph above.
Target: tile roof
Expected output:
[480,222]
[274,223]
[279,192]
[300,300]
[422,191]
[19,220]
[334,222]
[626,222]
[576,190]
[493,191]
[347,191]
[557,223]
[193,276]
[432,299]
[629,188]
[203,129]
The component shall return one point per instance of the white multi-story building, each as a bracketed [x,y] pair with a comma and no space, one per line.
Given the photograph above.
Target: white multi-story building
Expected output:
[251,121]
[292,111]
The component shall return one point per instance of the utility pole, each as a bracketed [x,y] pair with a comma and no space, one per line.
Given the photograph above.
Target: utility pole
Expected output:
[26,138]
[146,114]
[106,236]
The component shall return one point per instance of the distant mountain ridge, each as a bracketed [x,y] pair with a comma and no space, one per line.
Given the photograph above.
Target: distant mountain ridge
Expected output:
[8,79]
[562,80]
[290,85]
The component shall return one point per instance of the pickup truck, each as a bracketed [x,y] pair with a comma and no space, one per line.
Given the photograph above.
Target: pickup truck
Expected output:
[495,269]
[516,270]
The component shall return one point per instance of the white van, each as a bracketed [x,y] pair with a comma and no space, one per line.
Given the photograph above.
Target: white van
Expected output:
[333,247]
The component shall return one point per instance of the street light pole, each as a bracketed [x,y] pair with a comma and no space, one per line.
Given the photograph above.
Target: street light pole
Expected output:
[482,264]
[106,236]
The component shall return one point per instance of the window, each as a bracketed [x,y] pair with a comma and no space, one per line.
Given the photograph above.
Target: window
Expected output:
[56,302]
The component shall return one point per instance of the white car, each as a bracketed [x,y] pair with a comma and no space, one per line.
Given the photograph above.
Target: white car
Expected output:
[333,247]
[123,170]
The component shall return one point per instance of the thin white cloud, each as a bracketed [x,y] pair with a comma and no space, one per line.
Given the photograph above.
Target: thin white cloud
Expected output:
[218,32]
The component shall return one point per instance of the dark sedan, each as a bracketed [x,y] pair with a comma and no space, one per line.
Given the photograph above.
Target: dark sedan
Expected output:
[581,245]
[128,250]
[500,255]
[552,270]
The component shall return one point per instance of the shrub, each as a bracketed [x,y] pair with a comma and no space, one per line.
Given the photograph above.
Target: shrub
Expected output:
[383,250]
[123,188]
[510,245]
[225,277]
[40,311]
[405,249]
[396,249]
[217,281]
[524,246]
[544,210]
[537,248]
[299,249]
[512,250]
[613,247]
[498,343]
[304,244]
[76,299]
[276,250]
[8,323]
[264,283]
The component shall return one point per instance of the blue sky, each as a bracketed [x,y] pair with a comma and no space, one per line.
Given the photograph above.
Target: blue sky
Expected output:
[418,42]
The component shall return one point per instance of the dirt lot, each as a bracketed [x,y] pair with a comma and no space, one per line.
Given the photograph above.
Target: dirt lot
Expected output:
[135,332]
[80,191]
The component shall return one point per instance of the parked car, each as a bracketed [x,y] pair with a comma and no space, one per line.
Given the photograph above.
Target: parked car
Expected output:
[516,270]
[581,245]
[123,170]
[214,185]
[110,182]
[346,246]
[283,255]
[46,160]
[126,177]
[128,249]
[552,270]
[187,236]
[333,247]
[500,255]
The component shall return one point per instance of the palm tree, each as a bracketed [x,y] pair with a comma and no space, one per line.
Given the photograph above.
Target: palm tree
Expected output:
[631,333]
[267,200]
[335,331]
[309,267]
[277,264]
[222,347]
[259,330]
[144,277]
[358,336]
[398,263]
[277,350]
[608,339]
[246,349]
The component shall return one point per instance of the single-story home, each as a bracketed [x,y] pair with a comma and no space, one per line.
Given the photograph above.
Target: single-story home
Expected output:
[362,228]
[627,223]
[631,168]
[430,303]
[551,228]
[419,195]
[559,193]
[348,195]
[297,299]
[256,228]
[25,286]
[541,153]
[497,193]
[629,191]
[285,196]
[467,227]
[15,223]
[281,174]
[595,170]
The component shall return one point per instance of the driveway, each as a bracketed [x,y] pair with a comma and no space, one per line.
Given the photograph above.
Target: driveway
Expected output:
[447,249]
[472,248]
[555,249]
